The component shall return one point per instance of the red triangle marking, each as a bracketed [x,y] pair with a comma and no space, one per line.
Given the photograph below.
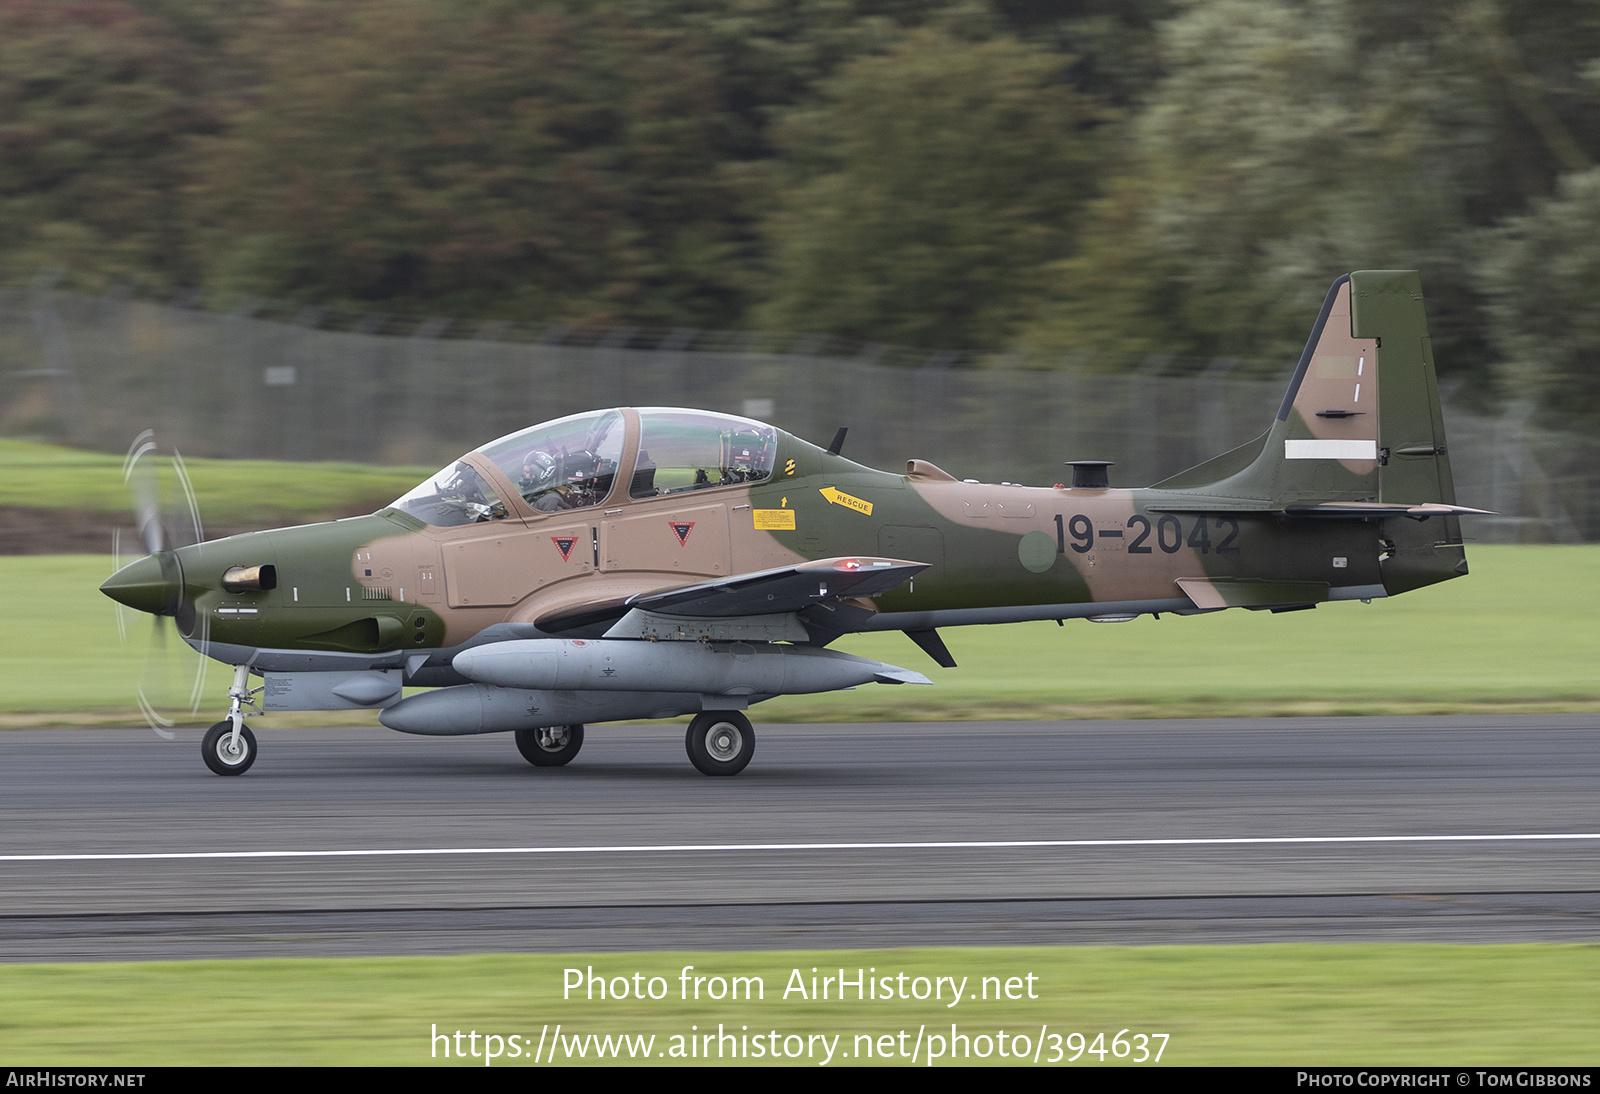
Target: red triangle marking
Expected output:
[564,545]
[682,528]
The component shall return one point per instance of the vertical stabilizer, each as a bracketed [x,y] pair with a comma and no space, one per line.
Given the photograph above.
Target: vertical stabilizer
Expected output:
[1360,423]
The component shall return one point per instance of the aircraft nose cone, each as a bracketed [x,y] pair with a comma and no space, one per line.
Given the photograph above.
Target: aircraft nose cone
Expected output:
[153,584]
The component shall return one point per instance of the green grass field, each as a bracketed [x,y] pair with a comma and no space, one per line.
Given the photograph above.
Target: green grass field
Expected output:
[243,493]
[1297,1004]
[1518,633]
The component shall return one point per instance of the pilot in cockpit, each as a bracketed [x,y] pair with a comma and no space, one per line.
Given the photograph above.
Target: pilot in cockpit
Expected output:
[574,481]
[539,486]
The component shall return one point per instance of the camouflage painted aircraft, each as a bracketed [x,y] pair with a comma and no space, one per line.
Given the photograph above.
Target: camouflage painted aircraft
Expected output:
[654,563]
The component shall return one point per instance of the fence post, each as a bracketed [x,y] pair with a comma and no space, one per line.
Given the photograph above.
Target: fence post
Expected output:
[65,389]
[1510,461]
[420,370]
[1144,421]
[244,383]
[1214,437]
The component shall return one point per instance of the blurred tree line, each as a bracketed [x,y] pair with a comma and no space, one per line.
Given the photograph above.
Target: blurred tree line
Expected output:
[1136,176]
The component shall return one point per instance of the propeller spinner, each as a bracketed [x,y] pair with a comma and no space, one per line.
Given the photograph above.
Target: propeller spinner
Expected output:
[154,584]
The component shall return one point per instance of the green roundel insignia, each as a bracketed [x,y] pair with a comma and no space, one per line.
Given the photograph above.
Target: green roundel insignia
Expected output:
[1037,551]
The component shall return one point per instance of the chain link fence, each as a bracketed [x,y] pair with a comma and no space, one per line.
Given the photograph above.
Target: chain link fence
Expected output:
[95,370]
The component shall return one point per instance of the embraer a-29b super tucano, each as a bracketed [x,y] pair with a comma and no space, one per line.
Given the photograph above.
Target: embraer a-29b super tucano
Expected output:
[653,563]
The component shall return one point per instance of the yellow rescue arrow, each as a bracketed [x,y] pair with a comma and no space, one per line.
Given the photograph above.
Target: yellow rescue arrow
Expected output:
[839,497]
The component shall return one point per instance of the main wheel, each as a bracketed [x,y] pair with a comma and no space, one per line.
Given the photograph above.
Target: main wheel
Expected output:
[720,742]
[220,755]
[551,746]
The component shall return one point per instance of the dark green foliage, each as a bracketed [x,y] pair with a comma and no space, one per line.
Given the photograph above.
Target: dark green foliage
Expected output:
[1135,176]
[927,191]
[521,164]
[1289,141]
[1542,274]
[96,101]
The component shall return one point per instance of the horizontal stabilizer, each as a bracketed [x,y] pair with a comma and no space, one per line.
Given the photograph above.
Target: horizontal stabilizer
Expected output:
[1358,510]
[1330,510]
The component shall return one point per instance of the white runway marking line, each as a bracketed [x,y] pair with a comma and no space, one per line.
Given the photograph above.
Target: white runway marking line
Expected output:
[702,848]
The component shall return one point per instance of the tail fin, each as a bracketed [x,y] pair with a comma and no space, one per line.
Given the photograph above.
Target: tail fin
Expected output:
[1360,426]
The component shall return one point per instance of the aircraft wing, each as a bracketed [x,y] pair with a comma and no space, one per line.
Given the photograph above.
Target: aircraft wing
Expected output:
[785,589]
[755,606]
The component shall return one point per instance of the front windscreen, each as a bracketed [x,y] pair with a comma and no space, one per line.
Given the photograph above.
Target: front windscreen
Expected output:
[456,495]
[569,463]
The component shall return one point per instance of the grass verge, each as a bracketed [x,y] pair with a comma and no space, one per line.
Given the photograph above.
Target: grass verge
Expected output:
[1289,1004]
[246,493]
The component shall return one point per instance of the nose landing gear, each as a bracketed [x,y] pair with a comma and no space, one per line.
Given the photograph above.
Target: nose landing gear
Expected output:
[229,748]
[227,752]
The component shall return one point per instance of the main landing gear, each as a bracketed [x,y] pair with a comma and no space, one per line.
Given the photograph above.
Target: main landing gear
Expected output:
[552,746]
[720,742]
[229,748]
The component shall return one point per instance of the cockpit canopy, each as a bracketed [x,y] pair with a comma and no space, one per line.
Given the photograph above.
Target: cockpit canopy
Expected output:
[569,463]
[573,463]
[691,450]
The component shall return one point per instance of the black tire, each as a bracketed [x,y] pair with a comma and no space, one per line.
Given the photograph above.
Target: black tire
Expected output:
[214,749]
[553,746]
[720,742]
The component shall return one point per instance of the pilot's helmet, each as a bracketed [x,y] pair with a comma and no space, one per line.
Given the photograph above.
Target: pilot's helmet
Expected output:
[538,470]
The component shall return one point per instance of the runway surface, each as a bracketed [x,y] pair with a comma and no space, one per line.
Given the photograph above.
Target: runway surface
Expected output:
[65,792]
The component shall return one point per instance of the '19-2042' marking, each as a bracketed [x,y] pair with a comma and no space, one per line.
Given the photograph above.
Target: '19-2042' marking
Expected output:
[1167,532]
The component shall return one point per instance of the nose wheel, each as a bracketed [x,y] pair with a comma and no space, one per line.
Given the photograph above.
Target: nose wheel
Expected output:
[229,748]
[552,746]
[225,753]
[720,742]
